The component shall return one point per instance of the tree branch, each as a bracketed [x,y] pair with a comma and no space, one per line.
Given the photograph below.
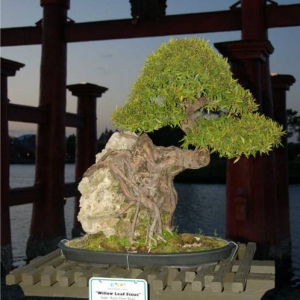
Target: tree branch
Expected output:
[190,109]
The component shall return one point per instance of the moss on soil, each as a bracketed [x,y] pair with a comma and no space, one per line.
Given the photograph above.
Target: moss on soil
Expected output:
[169,243]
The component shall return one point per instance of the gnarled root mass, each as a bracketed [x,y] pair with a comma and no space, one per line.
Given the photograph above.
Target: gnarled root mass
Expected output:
[145,174]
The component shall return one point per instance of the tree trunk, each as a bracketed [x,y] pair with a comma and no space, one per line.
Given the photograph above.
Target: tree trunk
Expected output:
[145,174]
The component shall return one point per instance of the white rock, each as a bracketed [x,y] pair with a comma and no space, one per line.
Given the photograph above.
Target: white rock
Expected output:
[101,196]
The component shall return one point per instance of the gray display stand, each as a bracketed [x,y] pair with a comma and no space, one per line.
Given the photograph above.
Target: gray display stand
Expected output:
[237,277]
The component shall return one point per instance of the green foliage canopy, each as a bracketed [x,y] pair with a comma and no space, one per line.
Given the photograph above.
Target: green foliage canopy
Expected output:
[180,74]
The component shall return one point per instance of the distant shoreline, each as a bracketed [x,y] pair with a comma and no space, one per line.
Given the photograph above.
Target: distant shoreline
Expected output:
[32,162]
[214,173]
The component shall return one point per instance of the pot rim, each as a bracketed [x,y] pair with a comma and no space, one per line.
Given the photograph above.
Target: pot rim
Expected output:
[181,259]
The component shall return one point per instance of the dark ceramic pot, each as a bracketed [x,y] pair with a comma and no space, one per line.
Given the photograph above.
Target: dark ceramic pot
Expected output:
[186,259]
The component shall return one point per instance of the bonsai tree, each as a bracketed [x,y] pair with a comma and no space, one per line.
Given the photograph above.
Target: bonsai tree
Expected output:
[184,84]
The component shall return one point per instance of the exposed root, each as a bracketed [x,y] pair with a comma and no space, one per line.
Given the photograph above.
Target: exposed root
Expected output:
[145,175]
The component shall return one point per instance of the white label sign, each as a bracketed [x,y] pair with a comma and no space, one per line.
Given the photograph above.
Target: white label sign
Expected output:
[101,288]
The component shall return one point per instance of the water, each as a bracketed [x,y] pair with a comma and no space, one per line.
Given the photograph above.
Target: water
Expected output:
[194,212]
[20,216]
[200,206]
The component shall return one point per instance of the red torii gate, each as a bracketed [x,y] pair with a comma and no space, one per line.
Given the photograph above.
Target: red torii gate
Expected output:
[252,197]
[218,21]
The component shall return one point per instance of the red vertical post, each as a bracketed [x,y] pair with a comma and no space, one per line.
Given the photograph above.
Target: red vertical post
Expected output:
[8,68]
[245,210]
[254,28]
[281,84]
[254,20]
[86,137]
[252,211]
[47,224]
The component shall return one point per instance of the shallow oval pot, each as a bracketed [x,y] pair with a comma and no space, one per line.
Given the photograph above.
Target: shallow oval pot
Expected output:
[129,259]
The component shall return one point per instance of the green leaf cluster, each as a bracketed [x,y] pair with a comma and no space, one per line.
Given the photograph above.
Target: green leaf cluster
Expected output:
[181,71]
[235,136]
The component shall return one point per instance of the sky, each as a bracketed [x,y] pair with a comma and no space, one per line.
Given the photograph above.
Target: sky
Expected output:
[116,64]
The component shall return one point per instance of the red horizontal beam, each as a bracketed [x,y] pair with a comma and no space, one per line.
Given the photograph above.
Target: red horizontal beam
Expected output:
[71,190]
[74,120]
[21,36]
[283,15]
[26,114]
[277,16]
[169,25]
[27,195]
[123,29]
[36,115]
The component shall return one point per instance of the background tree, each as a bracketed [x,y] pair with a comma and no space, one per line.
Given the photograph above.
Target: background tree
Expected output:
[293,123]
